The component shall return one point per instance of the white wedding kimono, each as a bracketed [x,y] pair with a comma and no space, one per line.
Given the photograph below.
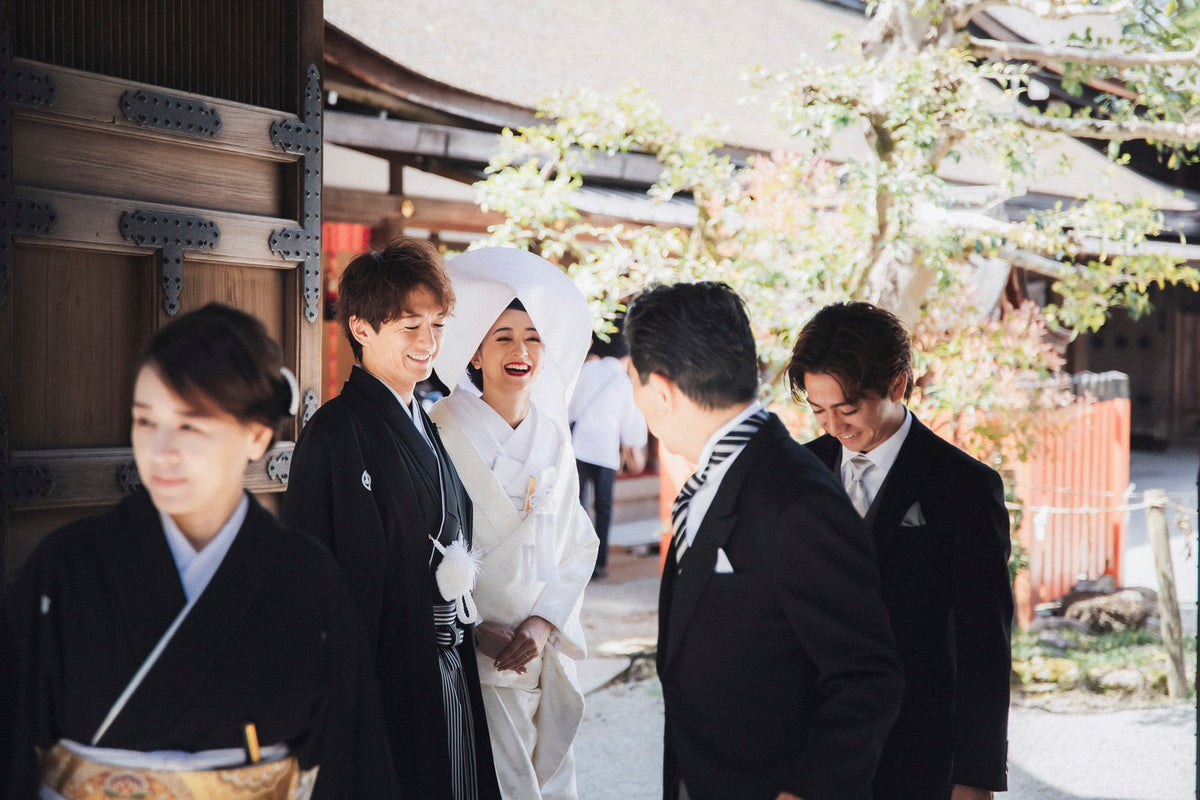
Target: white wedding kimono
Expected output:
[537,545]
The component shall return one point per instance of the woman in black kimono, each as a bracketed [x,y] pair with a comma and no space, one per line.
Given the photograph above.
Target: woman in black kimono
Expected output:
[186,644]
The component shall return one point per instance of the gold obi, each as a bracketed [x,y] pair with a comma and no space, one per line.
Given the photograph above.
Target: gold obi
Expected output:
[78,778]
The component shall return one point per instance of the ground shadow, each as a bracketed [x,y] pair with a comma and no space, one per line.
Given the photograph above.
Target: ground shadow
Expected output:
[1023,786]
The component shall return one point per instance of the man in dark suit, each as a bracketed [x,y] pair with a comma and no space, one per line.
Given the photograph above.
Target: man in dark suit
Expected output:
[942,537]
[778,671]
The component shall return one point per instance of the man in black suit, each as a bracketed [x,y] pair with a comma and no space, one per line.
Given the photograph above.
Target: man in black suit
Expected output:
[942,537]
[778,671]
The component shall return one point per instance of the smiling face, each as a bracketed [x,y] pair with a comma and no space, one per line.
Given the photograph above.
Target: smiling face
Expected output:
[401,352]
[191,460]
[510,356]
[860,425]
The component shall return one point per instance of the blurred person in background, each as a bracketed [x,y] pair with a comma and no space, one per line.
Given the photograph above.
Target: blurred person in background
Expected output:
[607,431]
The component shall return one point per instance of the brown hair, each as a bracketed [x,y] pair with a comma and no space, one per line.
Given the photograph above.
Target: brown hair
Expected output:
[375,285]
[220,359]
[863,346]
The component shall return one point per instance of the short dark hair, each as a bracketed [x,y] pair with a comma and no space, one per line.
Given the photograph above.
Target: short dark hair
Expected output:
[218,358]
[697,335]
[476,374]
[376,285]
[861,345]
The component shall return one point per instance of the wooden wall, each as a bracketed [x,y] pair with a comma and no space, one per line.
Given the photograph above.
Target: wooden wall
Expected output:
[156,156]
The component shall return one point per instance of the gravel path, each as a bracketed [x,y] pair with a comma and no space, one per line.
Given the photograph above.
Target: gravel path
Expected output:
[1144,754]
[1137,754]
[618,751]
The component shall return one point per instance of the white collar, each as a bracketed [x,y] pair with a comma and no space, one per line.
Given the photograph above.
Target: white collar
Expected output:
[883,455]
[745,413]
[197,568]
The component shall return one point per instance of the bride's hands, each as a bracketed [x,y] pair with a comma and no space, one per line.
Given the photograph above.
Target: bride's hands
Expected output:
[525,644]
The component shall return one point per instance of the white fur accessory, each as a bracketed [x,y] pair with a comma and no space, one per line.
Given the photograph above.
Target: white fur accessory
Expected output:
[456,577]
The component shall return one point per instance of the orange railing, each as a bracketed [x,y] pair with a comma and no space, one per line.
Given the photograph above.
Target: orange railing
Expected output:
[1071,489]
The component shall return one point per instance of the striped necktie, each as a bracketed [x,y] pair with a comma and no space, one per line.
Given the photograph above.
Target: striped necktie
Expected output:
[729,444]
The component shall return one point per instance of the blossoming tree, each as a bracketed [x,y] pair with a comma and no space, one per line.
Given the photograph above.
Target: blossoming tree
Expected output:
[793,231]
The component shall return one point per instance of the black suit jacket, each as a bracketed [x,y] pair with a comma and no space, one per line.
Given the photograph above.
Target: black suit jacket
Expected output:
[947,590]
[780,676]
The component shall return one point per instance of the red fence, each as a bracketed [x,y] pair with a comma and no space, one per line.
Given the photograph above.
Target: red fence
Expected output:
[1071,489]
[340,242]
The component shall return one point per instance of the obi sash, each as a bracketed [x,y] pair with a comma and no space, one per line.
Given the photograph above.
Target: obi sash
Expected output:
[68,774]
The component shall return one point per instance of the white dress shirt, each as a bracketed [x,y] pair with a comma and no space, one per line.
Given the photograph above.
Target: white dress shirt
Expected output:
[882,457]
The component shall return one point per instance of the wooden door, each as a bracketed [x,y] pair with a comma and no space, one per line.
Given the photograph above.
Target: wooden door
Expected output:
[154,156]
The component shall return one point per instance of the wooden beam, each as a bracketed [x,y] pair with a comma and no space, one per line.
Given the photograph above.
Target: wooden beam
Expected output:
[86,477]
[94,222]
[380,72]
[88,100]
[122,162]
[374,208]
[402,137]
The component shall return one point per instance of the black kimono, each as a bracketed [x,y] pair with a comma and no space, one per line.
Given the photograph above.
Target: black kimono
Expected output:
[366,483]
[273,640]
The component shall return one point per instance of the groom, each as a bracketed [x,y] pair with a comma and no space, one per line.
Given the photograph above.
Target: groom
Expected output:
[778,670]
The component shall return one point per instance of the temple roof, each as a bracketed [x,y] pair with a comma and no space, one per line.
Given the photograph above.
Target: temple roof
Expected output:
[486,64]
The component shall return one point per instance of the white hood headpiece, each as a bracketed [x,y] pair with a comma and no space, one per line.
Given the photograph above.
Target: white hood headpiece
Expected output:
[485,282]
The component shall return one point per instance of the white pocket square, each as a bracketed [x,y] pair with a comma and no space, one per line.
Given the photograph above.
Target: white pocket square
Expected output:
[723,566]
[913,517]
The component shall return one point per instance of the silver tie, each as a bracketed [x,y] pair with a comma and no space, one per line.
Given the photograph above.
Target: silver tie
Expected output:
[860,465]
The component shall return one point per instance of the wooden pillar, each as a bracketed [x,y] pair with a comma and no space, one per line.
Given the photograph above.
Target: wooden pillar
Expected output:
[1168,605]
[391,227]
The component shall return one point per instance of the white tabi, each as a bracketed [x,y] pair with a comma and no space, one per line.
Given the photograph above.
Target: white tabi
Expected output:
[537,545]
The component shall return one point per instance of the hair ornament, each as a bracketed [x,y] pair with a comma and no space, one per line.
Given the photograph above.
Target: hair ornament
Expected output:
[293,389]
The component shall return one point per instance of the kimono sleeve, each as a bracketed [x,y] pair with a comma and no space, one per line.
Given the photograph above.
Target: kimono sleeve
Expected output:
[561,601]
[353,748]
[329,498]
[23,702]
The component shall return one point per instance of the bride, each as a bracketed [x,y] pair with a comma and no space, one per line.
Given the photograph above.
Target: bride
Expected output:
[514,348]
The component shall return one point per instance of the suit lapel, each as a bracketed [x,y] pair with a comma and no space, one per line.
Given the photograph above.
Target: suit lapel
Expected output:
[681,590]
[829,450]
[900,488]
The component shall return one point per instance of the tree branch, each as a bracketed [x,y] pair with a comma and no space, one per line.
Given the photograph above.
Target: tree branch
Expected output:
[962,12]
[1033,262]
[1178,133]
[1044,54]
